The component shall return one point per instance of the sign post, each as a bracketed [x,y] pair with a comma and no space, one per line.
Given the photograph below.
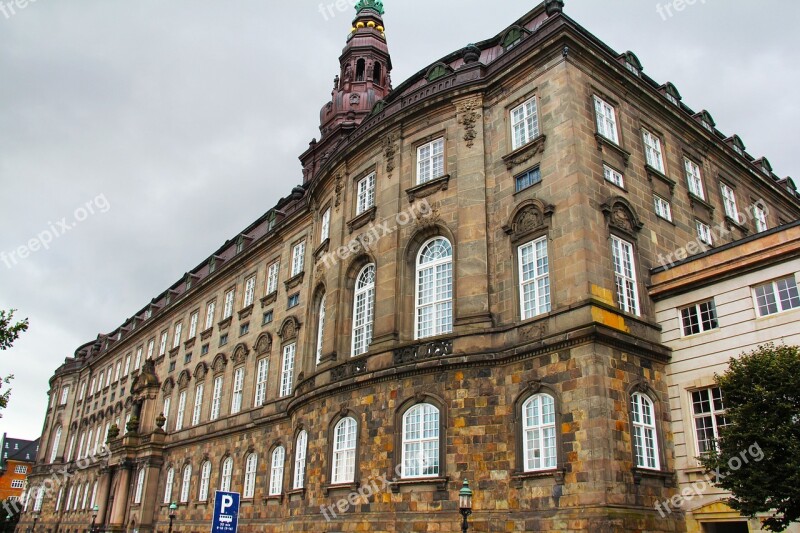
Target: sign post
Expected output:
[226,512]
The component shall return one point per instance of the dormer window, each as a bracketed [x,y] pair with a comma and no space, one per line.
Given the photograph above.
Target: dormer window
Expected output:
[361,68]
[632,63]
[212,265]
[706,121]
[239,245]
[512,38]
[148,314]
[272,218]
[671,93]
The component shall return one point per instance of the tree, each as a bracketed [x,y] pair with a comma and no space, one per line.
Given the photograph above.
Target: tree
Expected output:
[9,332]
[758,455]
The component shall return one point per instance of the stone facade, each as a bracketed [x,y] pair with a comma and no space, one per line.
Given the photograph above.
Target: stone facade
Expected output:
[585,352]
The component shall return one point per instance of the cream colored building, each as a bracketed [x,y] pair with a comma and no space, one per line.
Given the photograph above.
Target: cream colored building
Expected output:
[739,279]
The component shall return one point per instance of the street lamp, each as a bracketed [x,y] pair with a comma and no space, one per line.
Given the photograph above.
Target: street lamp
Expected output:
[35,518]
[95,510]
[465,504]
[172,507]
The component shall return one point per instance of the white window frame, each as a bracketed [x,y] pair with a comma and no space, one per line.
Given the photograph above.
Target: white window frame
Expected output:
[298,258]
[704,234]
[251,466]
[301,448]
[238,390]
[226,474]
[430,161]
[117,371]
[198,404]
[652,150]
[186,483]
[781,290]
[167,405]
[365,193]
[55,445]
[345,437]
[262,375]
[193,324]
[320,327]
[249,291]
[205,481]
[170,481]
[705,317]
[230,296]
[614,176]
[287,369]
[606,116]
[524,123]
[64,396]
[662,207]
[325,226]
[712,396]
[211,308]
[162,345]
[729,201]
[643,420]
[434,267]
[625,275]
[760,216]
[539,280]
[276,471]
[176,336]
[363,310]
[137,495]
[216,398]
[539,433]
[181,410]
[421,442]
[272,277]
[694,178]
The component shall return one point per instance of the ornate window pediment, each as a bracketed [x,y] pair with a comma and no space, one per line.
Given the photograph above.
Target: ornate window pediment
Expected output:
[621,215]
[184,378]
[240,353]
[220,361]
[264,344]
[289,329]
[200,371]
[528,217]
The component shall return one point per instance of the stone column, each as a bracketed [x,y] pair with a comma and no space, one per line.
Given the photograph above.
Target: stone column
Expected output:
[103,493]
[123,477]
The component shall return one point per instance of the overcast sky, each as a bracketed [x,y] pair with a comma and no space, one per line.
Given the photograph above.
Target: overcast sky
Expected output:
[180,122]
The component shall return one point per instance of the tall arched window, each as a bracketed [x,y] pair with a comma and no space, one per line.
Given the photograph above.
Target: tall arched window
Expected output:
[300,460]
[421,441]
[205,481]
[93,501]
[363,309]
[168,485]
[320,326]
[645,439]
[344,451]
[137,495]
[227,473]
[250,475]
[376,73]
[276,472]
[56,442]
[539,433]
[434,309]
[186,482]
[361,68]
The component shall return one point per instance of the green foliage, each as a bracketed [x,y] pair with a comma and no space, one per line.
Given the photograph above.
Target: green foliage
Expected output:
[761,391]
[9,332]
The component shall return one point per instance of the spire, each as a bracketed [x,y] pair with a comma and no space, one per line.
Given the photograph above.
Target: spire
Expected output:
[375,5]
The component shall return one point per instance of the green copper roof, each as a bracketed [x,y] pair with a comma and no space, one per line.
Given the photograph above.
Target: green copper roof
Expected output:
[376,5]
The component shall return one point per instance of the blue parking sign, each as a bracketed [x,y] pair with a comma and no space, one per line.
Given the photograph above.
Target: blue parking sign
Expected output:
[226,512]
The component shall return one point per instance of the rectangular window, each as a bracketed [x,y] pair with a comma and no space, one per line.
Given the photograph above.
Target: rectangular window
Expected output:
[704,232]
[760,215]
[82,390]
[652,151]
[287,369]
[777,296]
[198,404]
[272,277]
[325,229]
[162,345]
[109,371]
[534,279]
[294,300]
[244,329]
[606,120]
[176,338]
[65,395]
[625,275]
[267,318]
[118,371]
[204,350]
[223,339]
[298,258]
[249,291]
[261,382]
[138,364]
[193,324]
[20,469]
[729,199]
[613,176]
[167,404]
[366,194]
[524,124]
[216,399]
[662,207]
[227,311]
[210,308]
[171,366]
[430,162]
[694,178]
[699,318]
[709,417]
[528,179]
[17,483]
[181,411]
[238,387]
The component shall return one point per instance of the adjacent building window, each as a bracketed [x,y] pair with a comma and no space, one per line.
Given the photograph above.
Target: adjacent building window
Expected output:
[528,179]
[434,306]
[694,178]
[645,439]
[186,483]
[216,399]
[261,382]
[210,308]
[344,451]
[366,194]
[663,208]
[301,445]
[709,417]
[17,483]
[276,472]
[238,388]
[198,404]
[227,474]
[652,151]
[168,486]
[181,411]
[613,176]
[539,433]
[698,318]
[20,469]
[287,369]
[205,481]
[421,441]
[606,120]
[320,327]
[298,258]
[704,232]
[249,291]
[227,311]
[534,279]
[760,215]
[729,200]
[777,296]
[363,310]
[625,275]
[250,476]
[325,229]
[430,161]
[272,277]
[524,124]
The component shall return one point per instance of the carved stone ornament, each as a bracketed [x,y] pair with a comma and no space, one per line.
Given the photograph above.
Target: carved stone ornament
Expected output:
[469,112]
[528,218]
[619,214]
[641,387]
[535,386]
[220,361]
[419,352]
[160,421]
[240,354]
[184,378]
[264,344]
[169,385]
[289,329]
[200,371]
[338,187]
[389,152]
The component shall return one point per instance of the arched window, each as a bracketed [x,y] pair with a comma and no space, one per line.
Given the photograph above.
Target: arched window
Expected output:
[168,485]
[186,481]
[276,473]
[205,479]
[300,460]
[250,475]
[539,433]
[421,441]
[363,309]
[56,442]
[376,73]
[227,473]
[361,68]
[645,440]
[137,495]
[344,451]
[320,327]
[434,310]
[85,504]
[94,496]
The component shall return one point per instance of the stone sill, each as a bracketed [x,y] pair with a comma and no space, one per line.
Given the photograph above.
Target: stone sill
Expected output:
[654,172]
[439,482]
[207,333]
[293,282]
[321,249]
[246,312]
[428,188]
[189,343]
[363,219]
[604,142]
[525,152]
[225,324]
[269,299]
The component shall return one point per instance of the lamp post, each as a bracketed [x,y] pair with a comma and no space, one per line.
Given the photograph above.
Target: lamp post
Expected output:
[35,518]
[95,510]
[172,507]
[465,505]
